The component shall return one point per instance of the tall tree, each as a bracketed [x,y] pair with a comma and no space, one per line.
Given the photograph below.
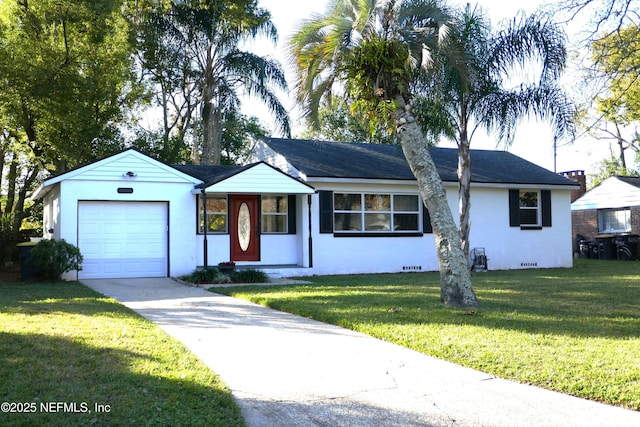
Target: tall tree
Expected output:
[336,123]
[65,84]
[376,48]
[602,22]
[617,105]
[192,52]
[454,106]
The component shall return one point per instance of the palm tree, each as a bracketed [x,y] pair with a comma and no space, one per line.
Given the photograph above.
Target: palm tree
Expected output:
[204,37]
[454,106]
[376,49]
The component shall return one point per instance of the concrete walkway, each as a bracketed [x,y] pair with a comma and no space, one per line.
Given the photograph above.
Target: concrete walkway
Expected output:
[286,370]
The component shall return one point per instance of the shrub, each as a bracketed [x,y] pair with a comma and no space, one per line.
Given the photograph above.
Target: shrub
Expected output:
[207,275]
[52,258]
[249,276]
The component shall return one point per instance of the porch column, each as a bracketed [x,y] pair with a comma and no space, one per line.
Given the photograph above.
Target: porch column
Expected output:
[206,228]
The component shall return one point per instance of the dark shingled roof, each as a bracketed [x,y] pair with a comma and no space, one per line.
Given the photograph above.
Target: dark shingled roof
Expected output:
[631,180]
[383,161]
[210,174]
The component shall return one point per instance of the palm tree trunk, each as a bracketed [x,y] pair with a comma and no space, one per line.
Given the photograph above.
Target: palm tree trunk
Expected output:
[464,192]
[455,278]
[208,123]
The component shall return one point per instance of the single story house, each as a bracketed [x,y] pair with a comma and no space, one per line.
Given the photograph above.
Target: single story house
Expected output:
[300,207]
[611,210]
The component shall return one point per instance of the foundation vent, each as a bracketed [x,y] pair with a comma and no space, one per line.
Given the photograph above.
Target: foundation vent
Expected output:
[528,264]
[411,268]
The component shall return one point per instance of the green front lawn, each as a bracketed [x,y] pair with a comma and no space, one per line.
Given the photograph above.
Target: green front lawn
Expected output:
[69,356]
[576,330]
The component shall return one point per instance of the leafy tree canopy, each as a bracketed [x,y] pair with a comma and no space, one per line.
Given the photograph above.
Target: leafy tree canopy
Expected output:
[65,77]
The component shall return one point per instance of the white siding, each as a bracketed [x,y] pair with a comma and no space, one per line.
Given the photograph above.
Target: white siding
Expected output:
[611,193]
[506,247]
[512,247]
[154,182]
[351,255]
[51,214]
[182,218]
[275,249]
[260,179]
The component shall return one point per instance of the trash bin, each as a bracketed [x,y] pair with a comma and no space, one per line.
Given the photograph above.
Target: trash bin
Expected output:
[626,246]
[583,248]
[607,247]
[26,270]
[594,250]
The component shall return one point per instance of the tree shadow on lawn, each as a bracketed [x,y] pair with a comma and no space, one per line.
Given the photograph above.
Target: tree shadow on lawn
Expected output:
[37,369]
[540,303]
[65,297]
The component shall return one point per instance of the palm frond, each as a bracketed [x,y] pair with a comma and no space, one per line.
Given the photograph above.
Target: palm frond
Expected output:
[530,38]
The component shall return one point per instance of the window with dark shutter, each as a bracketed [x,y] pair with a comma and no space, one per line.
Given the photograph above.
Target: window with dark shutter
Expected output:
[514,208]
[530,209]
[326,211]
[291,205]
[426,221]
[545,196]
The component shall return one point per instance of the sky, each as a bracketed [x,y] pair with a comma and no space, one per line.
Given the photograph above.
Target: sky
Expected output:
[533,141]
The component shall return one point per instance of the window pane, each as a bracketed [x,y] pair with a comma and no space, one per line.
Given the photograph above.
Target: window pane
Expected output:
[347,202]
[377,202]
[216,214]
[405,222]
[528,216]
[405,203]
[274,224]
[217,223]
[528,199]
[348,221]
[615,220]
[218,204]
[377,222]
[274,204]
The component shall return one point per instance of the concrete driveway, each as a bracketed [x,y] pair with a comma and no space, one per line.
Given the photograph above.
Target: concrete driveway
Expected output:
[286,370]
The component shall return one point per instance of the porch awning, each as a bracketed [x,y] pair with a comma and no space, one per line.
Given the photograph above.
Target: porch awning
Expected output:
[257,178]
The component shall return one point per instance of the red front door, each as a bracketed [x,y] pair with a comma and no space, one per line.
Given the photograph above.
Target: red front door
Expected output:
[245,228]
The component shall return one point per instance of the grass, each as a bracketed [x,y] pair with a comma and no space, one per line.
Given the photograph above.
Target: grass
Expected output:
[65,343]
[576,331]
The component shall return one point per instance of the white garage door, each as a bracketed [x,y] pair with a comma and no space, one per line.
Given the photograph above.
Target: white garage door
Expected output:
[122,239]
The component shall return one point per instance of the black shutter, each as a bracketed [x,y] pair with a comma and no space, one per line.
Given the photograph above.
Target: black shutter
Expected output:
[426,221]
[291,214]
[326,211]
[546,207]
[514,208]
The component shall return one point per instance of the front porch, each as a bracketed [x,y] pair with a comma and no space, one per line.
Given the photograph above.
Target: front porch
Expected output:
[278,271]
[274,271]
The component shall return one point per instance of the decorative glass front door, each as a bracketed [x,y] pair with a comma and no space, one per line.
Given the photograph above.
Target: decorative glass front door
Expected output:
[244,228]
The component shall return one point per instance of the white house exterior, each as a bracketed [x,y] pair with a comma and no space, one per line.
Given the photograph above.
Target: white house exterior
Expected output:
[299,208]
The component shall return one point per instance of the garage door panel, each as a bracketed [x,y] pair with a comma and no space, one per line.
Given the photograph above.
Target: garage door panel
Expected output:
[136,267]
[90,269]
[137,250]
[111,229]
[123,239]
[89,250]
[112,250]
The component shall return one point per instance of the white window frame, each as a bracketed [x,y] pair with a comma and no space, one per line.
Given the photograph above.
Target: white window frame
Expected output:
[537,208]
[391,212]
[284,214]
[200,211]
[608,217]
